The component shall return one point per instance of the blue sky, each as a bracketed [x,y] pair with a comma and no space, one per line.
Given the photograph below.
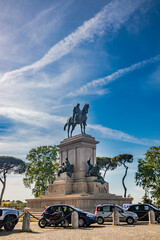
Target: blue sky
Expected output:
[54,54]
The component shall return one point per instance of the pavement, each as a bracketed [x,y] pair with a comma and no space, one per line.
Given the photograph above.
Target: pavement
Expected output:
[141,230]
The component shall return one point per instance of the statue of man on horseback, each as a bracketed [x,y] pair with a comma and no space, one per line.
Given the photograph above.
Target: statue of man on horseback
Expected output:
[79,117]
[76,112]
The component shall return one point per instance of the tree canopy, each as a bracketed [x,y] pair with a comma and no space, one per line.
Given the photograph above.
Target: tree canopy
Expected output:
[9,165]
[148,174]
[121,160]
[106,163]
[40,168]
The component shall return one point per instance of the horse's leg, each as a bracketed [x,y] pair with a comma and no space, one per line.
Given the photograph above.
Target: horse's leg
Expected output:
[68,129]
[81,128]
[84,125]
[69,125]
[73,127]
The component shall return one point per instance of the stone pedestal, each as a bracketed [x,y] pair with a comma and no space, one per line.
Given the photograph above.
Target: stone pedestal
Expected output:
[79,191]
[78,150]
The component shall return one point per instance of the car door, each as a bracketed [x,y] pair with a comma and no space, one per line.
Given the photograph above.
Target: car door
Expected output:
[141,212]
[122,217]
[67,212]
[107,213]
[146,209]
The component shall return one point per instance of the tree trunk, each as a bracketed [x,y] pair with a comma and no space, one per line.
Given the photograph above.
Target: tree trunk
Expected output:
[4,185]
[105,172]
[125,189]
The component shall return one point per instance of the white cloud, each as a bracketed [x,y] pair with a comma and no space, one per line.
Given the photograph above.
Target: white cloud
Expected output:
[40,119]
[155,78]
[122,136]
[45,120]
[89,88]
[110,18]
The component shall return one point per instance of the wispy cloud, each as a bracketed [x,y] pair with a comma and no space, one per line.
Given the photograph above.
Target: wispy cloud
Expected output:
[122,136]
[90,87]
[45,120]
[109,19]
[40,119]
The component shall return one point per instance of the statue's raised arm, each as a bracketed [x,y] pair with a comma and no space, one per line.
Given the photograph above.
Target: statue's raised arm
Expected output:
[78,117]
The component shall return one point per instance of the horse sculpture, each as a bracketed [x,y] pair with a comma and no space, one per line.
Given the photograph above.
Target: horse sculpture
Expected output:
[80,119]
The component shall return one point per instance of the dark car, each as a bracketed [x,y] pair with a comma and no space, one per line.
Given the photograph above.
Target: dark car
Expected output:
[142,211]
[85,218]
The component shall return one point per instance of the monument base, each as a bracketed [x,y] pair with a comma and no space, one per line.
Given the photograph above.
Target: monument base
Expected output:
[83,201]
[78,190]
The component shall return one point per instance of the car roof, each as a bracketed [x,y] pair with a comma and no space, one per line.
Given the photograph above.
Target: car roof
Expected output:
[57,205]
[141,204]
[108,204]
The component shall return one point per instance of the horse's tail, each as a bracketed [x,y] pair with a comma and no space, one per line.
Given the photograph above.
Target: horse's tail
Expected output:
[65,126]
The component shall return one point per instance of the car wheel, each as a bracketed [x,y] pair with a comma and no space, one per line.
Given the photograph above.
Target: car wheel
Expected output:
[42,223]
[65,223]
[81,222]
[130,220]
[56,224]
[100,220]
[9,223]
[87,224]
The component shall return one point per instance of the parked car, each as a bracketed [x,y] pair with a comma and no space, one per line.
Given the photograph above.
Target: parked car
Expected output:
[142,211]
[85,218]
[8,218]
[104,214]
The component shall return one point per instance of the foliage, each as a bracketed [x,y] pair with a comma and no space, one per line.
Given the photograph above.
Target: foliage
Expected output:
[158,202]
[106,163]
[120,160]
[13,204]
[146,199]
[148,174]
[6,204]
[40,169]
[9,165]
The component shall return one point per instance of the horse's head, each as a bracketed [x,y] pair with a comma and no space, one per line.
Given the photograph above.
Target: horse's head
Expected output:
[85,108]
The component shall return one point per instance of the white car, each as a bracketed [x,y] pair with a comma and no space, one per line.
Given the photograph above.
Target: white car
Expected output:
[104,213]
[8,218]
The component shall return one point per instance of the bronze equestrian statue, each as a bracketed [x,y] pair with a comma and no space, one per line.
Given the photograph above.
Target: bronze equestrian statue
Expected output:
[79,117]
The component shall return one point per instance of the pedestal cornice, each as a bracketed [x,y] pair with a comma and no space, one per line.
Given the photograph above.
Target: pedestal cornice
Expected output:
[87,139]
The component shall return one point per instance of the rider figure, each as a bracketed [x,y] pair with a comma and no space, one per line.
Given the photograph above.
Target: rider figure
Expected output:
[76,112]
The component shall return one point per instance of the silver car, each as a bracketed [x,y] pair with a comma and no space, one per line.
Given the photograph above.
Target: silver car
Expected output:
[8,218]
[104,213]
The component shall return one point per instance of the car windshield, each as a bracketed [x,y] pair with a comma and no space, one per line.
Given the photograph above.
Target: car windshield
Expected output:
[119,207]
[77,209]
[153,207]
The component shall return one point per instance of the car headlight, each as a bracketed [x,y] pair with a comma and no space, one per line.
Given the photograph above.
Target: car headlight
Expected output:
[90,215]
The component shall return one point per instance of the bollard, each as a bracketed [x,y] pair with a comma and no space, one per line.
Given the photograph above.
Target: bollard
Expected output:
[74,220]
[115,217]
[151,216]
[26,222]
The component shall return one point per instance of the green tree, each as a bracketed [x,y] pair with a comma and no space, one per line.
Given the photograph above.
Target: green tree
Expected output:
[9,165]
[106,163]
[121,160]
[146,199]
[148,174]
[40,168]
